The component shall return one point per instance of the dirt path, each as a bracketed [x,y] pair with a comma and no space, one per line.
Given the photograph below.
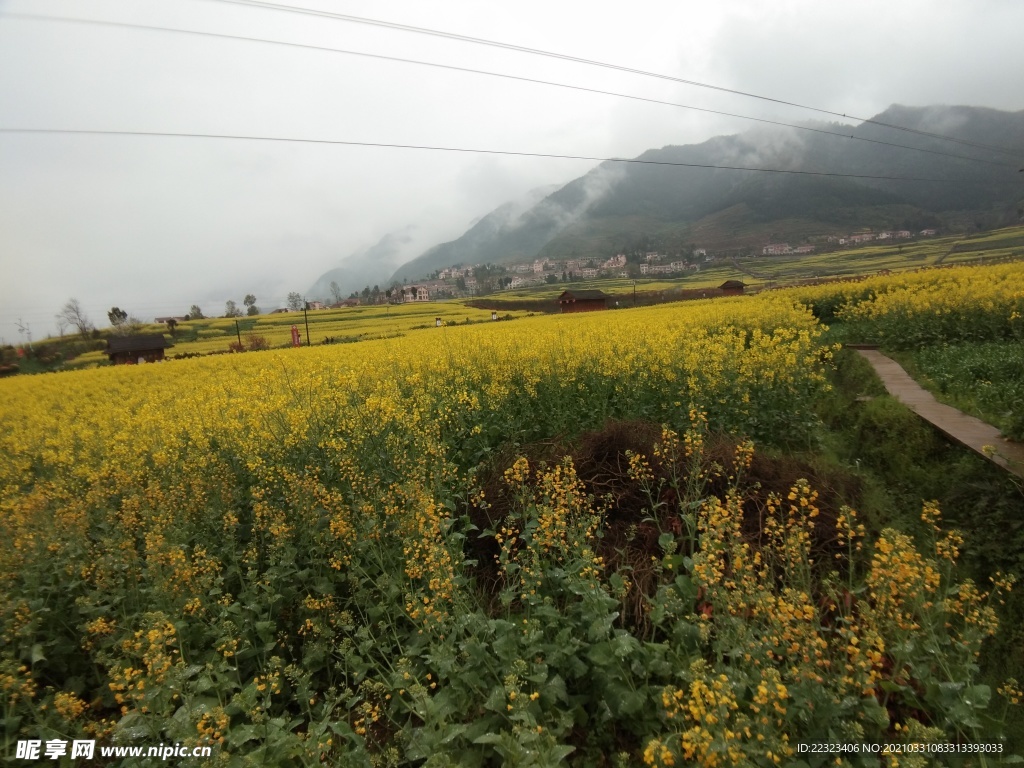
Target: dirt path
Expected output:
[975,434]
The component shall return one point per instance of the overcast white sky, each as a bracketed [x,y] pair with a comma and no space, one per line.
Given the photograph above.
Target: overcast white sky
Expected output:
[154,225]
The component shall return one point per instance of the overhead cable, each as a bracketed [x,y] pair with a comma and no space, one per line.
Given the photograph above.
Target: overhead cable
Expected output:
[603,64]
[339,142]
[451,67]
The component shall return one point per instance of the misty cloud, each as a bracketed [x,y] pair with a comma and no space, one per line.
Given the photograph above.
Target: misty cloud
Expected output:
[563,209]
[766,147]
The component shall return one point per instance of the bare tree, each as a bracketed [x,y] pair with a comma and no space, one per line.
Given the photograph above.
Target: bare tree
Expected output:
[336,291]
[73,313]
[231,309]
[62,324]
[295,301]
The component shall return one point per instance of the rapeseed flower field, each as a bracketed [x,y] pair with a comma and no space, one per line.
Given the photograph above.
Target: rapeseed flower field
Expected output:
[935,306]
[360,554]
[351,324]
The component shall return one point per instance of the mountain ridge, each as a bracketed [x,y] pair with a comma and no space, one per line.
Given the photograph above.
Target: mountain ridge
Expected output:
[618,207]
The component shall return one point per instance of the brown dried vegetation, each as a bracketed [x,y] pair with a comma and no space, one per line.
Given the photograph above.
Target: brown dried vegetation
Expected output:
[632,524]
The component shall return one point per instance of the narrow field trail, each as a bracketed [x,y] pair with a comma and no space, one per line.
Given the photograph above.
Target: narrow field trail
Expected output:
[974,433]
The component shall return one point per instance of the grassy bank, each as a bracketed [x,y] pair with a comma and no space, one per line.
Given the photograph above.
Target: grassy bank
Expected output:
[901,460]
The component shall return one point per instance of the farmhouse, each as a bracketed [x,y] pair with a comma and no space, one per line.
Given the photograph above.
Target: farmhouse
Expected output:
[141,348]
[583,301]
[663,269]
[519,282]
[415,293]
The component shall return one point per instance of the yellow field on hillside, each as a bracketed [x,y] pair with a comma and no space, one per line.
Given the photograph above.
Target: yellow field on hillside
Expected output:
[339,325]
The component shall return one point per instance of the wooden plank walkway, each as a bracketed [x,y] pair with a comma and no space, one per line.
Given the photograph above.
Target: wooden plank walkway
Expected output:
[974,433]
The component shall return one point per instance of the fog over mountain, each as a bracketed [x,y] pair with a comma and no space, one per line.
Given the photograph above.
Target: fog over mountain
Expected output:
[371,266]
[515,230]
[377,264]
[619,206]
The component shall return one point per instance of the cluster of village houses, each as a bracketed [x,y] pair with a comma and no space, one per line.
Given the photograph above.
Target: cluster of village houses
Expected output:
[777,249]
[449,282]
[537,272]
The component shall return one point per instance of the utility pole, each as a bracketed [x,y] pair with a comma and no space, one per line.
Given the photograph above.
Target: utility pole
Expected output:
[305,308]
[238,333]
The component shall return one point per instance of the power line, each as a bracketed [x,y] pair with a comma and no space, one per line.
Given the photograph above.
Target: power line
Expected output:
[603,64]
[382,57]
[637,161]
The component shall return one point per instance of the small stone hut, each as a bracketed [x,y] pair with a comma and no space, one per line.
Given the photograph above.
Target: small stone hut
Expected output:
[583,301]
[732,288]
